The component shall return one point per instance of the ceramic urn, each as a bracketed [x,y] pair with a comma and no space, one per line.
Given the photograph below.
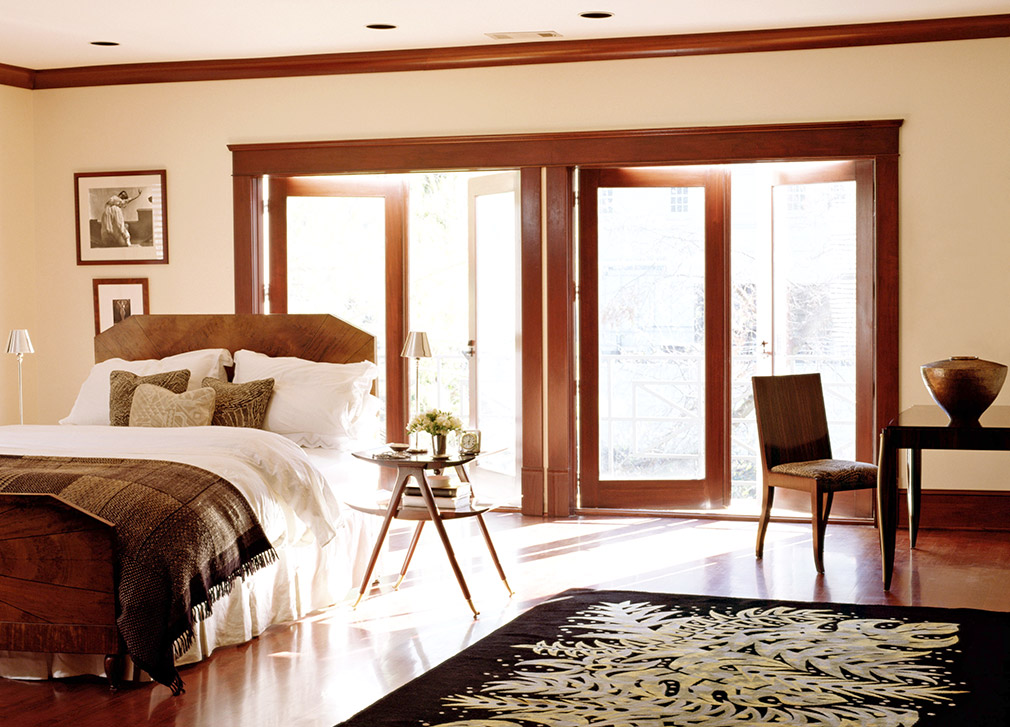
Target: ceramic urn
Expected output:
[964,386]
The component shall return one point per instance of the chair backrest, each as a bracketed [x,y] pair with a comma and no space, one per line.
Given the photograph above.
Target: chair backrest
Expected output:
[792,425]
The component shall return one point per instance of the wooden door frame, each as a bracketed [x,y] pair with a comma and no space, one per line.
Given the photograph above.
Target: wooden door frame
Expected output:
[875,141]
[712,490]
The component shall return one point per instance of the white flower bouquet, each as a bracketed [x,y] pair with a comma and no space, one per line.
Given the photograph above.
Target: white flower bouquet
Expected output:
[435,422]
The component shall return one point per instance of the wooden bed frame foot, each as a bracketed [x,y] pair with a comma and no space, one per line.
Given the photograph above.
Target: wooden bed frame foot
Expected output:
[114,664]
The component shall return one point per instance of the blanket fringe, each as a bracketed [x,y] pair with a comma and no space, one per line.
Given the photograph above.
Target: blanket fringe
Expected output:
[177,686]
[202,610]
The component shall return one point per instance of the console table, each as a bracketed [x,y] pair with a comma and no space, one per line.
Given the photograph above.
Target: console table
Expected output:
[414,466]
[916,429]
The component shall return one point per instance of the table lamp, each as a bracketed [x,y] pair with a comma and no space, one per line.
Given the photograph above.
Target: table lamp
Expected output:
[20,343]
[416,347]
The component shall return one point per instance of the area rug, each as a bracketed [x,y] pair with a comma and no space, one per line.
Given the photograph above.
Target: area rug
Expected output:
[618,658]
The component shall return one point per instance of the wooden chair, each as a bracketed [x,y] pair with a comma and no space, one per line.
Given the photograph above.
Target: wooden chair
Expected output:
[796,451]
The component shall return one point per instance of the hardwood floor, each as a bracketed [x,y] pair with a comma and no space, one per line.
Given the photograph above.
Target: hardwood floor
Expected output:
[322,669]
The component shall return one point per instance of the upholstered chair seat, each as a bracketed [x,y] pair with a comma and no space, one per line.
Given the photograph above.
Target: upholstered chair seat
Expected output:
[839,473]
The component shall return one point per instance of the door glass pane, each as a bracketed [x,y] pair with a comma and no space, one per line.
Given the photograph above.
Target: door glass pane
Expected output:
[794,301]
[495,365]
[336,263]
[651,248]
[750,337]
[438,288]
[463,274]
[815,296]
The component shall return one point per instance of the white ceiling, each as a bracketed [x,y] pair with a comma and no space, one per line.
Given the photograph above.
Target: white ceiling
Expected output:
[39,34]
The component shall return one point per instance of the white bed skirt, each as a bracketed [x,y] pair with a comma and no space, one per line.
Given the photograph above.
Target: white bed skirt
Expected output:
[304,579]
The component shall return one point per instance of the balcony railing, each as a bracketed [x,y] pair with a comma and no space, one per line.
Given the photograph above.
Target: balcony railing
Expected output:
[666,411]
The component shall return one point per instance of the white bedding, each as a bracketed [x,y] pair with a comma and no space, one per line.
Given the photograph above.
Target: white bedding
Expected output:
[323,545]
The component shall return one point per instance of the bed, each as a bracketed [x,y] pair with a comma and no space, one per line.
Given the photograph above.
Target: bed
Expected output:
[61,567]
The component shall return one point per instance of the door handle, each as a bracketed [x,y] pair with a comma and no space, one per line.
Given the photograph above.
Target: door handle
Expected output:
[470,351]
[764,348]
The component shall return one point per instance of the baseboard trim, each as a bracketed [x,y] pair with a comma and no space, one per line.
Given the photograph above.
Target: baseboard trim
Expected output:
[940,510]
[959,510]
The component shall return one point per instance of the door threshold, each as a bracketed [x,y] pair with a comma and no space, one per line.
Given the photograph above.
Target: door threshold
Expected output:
[781,516]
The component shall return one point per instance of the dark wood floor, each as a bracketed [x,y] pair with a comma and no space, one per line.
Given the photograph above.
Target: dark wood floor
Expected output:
[322,669]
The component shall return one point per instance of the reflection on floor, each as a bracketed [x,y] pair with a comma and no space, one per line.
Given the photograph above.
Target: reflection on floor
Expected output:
[328,666]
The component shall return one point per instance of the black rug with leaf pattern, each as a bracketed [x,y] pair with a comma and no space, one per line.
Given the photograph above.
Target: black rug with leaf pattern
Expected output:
[620,658]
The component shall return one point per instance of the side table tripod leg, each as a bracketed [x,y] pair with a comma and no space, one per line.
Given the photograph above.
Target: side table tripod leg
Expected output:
[464,477]
[494,554]
[436,519]
[394,504]
[410,553]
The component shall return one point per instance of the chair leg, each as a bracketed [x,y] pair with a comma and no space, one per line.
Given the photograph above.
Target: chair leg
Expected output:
[767,497]
[820,506]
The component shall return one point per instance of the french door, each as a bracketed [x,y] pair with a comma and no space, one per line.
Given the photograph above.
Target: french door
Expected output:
[338,245]
[694,279]
[652,337]
[801,260]
[492,351]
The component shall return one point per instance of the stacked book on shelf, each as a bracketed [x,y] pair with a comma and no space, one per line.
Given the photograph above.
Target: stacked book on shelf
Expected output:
[449,494]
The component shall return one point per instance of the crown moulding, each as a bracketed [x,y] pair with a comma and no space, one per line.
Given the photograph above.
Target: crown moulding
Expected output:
[561,51]
[16,76]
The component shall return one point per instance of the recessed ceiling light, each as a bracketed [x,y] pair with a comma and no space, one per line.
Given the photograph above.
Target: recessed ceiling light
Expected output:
[380,26]
[104,42]
[596,14]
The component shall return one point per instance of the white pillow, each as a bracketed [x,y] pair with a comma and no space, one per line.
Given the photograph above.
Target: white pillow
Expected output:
[92,405]
[314,404]
[365,426]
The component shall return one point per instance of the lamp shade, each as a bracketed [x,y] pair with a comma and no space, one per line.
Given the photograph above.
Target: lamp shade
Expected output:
[416,345]
[19,342]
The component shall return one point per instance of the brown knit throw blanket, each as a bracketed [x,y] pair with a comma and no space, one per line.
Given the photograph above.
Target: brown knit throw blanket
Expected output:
[183,535]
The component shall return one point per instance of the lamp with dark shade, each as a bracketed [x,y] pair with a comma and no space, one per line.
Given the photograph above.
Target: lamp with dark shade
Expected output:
[416,347]
[19,344]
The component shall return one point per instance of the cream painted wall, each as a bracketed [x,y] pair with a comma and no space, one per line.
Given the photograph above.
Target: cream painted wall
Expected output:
[955,172]
[18,291]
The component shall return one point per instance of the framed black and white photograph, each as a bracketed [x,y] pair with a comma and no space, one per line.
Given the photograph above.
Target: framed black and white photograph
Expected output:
[121,218]
[117,299]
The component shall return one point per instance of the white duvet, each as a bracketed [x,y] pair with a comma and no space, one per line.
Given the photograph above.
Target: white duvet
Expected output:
[287,493]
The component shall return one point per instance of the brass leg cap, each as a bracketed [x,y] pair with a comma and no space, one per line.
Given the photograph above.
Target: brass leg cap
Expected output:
[508,588]
[399,581]
[476,613]
[360,596]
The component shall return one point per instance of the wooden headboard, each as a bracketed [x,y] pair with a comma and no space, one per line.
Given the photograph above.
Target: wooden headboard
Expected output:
[312,336]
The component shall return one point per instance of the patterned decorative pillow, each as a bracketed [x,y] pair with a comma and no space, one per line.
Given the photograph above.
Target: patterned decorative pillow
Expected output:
[154,406]
[122,384]
[240,405]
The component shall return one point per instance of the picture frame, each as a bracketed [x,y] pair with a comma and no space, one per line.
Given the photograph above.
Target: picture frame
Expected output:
[117,299]
[122,218]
